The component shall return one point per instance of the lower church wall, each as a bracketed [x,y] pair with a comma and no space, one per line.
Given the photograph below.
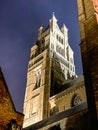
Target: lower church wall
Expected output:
[74,122]
[64,100]
[72,119]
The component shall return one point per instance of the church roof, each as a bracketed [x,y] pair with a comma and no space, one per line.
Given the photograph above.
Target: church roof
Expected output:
[69,83]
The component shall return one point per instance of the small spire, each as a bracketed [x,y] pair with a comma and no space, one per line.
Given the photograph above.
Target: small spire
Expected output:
[41,27]
[64,27]
[53,13]
[53,17]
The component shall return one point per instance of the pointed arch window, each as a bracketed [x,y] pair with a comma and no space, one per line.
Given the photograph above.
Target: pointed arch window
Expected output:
[37,79]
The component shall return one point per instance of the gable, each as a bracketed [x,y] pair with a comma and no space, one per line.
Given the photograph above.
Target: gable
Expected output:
[5,98]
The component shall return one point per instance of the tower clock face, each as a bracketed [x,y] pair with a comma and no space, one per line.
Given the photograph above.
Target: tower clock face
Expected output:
[95,3]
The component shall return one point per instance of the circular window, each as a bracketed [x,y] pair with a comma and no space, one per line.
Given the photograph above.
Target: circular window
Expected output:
[76,100]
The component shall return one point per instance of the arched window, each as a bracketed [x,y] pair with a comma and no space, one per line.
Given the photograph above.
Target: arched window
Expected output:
[76,100]
[37,79]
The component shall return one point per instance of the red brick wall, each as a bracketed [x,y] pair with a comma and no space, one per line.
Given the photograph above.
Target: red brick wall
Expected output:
[7,109]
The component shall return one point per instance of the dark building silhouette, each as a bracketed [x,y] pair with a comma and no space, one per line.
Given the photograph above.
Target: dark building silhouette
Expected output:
[9,117]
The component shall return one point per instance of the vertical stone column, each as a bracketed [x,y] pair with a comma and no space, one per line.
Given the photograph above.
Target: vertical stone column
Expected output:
[89,51]
[46,67]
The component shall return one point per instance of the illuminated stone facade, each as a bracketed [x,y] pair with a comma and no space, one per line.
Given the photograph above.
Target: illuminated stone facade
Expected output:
[52,86]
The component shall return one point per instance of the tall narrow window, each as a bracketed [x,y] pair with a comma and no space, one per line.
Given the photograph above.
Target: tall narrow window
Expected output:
[34,104]
[67,53]
[37,78]
[57,37]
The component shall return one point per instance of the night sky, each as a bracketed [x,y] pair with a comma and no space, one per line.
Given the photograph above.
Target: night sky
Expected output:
[19,24]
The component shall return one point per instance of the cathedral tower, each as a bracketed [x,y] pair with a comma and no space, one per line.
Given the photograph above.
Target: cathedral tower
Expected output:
[51,64]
